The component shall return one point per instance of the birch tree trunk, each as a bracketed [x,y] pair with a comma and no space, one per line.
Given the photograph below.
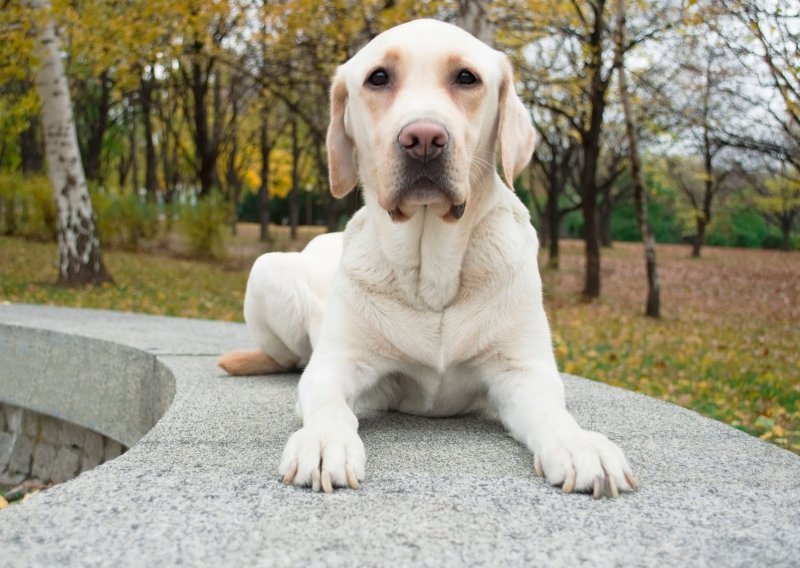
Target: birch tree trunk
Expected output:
[473,16]
[653,305]
[80,261]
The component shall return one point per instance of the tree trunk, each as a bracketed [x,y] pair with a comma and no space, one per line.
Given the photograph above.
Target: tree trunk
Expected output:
[232,176]
[97,131]
[699,237]
[134,151]
[216,131]
[653,303]
[604,210]
[591,287]
[124,165]
[205,155]
[263,190]
[786,229]
[553,225]
[169,144]
[473,16]
[80,259]
[146,100]
[591,150]
[294,193]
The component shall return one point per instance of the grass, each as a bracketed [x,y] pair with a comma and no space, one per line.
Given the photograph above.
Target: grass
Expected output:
[146,283]
[727,345]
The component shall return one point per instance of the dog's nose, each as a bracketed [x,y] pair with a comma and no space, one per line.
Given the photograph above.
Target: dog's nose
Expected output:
[423,140]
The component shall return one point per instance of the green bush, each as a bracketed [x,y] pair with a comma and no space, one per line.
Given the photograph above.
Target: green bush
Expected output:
[739,227]
[775,241]
[28,207]
[123,221]
[663,222]
[202,224]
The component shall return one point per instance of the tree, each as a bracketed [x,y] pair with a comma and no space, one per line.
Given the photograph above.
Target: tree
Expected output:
[777,199]
[566,49]
[80,259]
[703,98]
[768,35]
[554,160]
[653,303]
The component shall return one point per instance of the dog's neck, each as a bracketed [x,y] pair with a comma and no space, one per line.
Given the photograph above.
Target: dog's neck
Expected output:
[426,252]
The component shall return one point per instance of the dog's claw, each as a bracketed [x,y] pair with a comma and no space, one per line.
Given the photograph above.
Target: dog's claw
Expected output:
[352,480]
[611,487]
[537,466]
[569,482]
[631,480]
[598,484]
[289,477]
[325,481]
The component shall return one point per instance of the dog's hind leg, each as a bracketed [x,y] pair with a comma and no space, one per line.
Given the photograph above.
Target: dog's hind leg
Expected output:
[283,308]
[249,362]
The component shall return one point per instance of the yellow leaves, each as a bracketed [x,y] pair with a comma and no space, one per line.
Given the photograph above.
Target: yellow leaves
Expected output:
[720,348]
[772,430]
[3,503]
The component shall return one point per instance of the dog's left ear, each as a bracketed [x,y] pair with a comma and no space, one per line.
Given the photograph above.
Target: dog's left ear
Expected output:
[341,150]
[514,131]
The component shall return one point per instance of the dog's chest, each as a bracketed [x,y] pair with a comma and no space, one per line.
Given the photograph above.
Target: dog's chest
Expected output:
[403,326]
[443,313]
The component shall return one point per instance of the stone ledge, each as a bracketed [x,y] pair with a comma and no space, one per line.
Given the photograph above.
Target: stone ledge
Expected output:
[200,487]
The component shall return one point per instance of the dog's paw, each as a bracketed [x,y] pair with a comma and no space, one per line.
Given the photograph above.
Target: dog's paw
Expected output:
[584,461]
[324,457]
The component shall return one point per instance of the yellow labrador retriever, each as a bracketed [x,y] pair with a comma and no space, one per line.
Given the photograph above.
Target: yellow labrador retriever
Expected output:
[431,302]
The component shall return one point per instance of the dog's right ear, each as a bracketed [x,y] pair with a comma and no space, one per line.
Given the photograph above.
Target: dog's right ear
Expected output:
[341,150]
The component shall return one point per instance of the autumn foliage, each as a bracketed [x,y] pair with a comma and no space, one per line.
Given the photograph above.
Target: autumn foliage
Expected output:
[726,345]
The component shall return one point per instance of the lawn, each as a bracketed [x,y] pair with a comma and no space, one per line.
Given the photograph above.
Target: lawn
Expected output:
[727,345]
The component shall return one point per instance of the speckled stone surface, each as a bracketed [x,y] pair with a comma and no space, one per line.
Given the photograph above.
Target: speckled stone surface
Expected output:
[201,487]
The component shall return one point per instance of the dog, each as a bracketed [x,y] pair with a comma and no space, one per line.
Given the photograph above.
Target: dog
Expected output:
[430,302]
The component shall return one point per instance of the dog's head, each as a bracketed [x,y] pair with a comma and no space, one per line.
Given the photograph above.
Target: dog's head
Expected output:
[416,114]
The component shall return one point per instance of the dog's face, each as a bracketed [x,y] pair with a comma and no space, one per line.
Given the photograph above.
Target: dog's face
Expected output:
[416,114]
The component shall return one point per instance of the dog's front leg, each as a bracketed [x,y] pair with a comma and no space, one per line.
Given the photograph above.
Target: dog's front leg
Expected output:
[327,451]
[531,406]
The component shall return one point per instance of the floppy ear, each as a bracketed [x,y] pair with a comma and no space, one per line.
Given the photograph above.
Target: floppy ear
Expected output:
[514,131]
[341,151]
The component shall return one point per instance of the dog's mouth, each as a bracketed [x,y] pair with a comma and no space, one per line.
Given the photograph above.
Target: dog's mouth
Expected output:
[434,194]
[453,214]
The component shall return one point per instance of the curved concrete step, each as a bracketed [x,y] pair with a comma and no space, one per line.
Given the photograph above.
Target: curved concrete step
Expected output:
[201,487]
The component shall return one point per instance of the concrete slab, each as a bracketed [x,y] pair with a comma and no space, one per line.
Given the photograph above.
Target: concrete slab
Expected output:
[200,487]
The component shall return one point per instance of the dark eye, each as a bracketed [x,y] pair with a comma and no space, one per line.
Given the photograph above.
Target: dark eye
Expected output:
[378,78]
[466,77]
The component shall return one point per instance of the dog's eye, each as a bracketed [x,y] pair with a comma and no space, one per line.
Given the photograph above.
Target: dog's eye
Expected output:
[378,78]
[466,77]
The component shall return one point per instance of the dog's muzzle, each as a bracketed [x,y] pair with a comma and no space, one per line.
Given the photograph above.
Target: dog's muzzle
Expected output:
[425,174]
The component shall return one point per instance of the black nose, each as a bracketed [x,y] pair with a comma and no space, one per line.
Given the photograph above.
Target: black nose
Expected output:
[423,140]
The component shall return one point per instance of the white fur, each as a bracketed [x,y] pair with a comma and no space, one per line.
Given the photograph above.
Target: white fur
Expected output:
[425,316]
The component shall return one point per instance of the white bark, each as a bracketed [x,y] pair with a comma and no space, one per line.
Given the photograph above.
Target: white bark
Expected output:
[653,304]
[473,16]
[80,261]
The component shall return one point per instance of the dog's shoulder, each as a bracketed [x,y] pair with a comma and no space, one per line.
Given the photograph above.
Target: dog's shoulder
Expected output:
[503,239]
